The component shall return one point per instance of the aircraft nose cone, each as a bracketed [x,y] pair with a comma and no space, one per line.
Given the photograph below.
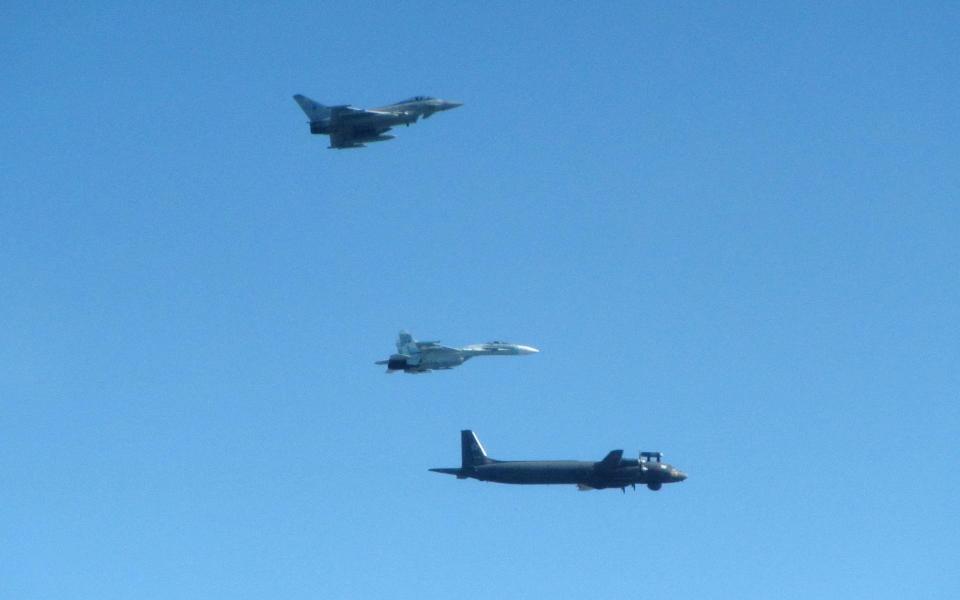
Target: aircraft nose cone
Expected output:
[527,350]
[448,104]
[681,476]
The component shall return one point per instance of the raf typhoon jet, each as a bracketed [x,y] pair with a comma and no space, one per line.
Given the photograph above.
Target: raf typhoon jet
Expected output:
[613,471]
[421,357]
[352,127]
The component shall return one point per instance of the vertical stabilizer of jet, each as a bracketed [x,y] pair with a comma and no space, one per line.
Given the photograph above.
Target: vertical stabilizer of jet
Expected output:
[472,452]
[314,110]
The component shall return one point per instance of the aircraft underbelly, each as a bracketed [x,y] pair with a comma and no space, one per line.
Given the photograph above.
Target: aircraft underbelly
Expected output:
[536,474]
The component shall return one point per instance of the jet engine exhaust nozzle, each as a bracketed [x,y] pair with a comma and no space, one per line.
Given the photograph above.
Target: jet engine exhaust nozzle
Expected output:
[397,364]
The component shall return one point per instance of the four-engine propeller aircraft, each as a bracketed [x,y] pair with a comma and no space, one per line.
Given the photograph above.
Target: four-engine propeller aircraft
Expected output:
[420,357]
[613,471]
[352,127]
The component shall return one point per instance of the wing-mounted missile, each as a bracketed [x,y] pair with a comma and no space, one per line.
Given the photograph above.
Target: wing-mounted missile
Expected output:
[376,138]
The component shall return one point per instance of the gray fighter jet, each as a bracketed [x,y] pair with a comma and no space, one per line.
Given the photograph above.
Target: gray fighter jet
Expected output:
[613,471]
[421,357]
[351,127]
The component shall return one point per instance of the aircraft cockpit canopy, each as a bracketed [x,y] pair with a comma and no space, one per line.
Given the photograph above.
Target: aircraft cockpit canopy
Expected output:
[416,99]
[651,456]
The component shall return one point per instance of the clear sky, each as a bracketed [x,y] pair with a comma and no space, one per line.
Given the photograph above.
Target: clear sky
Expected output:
[732,229]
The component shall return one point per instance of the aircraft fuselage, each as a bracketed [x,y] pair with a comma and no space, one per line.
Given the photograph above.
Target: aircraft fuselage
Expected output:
[376,121]
[583,473]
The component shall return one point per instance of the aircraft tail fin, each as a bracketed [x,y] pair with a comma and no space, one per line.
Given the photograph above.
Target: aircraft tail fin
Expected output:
[314,110]
[612,459]
[472,451]
[406,344]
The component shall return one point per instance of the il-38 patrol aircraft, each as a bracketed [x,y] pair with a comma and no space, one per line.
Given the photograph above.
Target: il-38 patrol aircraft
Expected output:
[352,127]
[421,357]
[613,471]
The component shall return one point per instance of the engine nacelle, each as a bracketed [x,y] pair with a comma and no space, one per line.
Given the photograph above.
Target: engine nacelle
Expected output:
[397,363]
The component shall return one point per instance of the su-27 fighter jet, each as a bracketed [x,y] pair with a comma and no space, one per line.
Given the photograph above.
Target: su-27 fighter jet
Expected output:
[351,127]
[421,357]
[614,471]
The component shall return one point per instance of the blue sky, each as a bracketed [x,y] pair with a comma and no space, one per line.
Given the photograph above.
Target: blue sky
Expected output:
[732,230]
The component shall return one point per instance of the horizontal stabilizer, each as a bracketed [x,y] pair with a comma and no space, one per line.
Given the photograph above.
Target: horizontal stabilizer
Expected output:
[447,471]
